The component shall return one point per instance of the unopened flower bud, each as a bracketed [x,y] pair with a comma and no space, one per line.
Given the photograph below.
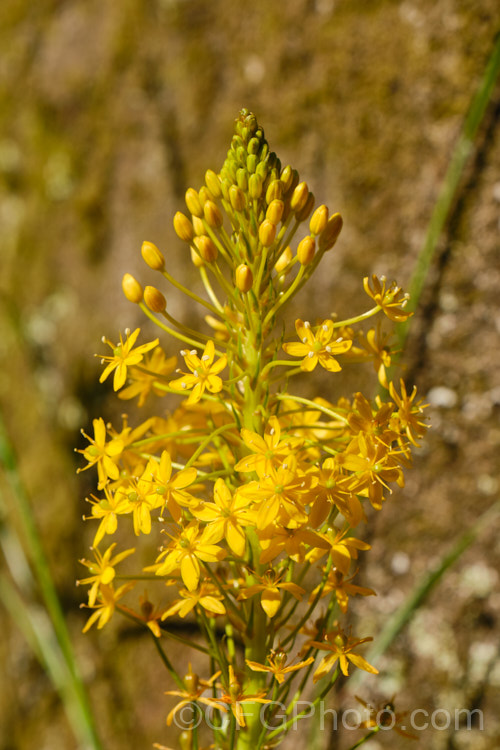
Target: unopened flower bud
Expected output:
[299,197]
[305,250]
[267,233]
[251,163]
[262,169]
[213,215]
[330,233]
[243,278]
[154,299]
[206,248]
[318,220]
[242,179]
[197,261]
[205,195]
[255,186]
[275,211]
[132,289]
[306,209]
[284,259]
[152,256]
[237,198]
[183,227]
[274,191]
[198,226]
[287,177]
[213,183]
[193,202]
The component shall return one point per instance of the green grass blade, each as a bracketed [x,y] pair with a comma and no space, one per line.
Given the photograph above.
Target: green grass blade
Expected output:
[460,156]
[47,633]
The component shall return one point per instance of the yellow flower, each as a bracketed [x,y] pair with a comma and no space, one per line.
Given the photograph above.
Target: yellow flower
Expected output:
[269,588]
[124,355]
[204,373]
[145,378]
[170,489]
[186,550]
[408,412]
[104,609]
[103,569]
[235,696]
[317,347]
[140,498]
[226,517]
[107,509]
[268,450]
[391,300]
[277,665]
[341,650]
[193,693]
[102,453]
[207,596]
[343,588]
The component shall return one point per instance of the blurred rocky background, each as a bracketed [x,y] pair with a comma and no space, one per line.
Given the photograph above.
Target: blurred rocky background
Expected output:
[108,112]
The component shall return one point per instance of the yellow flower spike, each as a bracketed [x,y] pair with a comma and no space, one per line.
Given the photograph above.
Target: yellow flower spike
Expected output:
[305,250]
[206,248]
[124,355]
[154,299]
[183,227]
[319,220]
[131,289]
[267,233]
[317,347]
[152,256]
[243,278]
[330,233]
[299,197]
[193,203]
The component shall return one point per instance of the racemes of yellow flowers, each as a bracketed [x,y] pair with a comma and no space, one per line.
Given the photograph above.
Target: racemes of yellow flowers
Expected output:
[252,494]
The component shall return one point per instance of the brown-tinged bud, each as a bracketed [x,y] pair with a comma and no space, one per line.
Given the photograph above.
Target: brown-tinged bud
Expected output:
[191,681]
[197,261]
[243,278]
[318,220]
[183,227]
[274,191]
[213,215]
[284,259]
[267,233]
[154,299]
[275,211]
[193,202]
[305,250]
[255,183]
[186,739]
[306,209]
[213,183]
[330,233]
[132,289]
[237,198]
[286,178]
[299,197]
[152,256]
[206,248]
